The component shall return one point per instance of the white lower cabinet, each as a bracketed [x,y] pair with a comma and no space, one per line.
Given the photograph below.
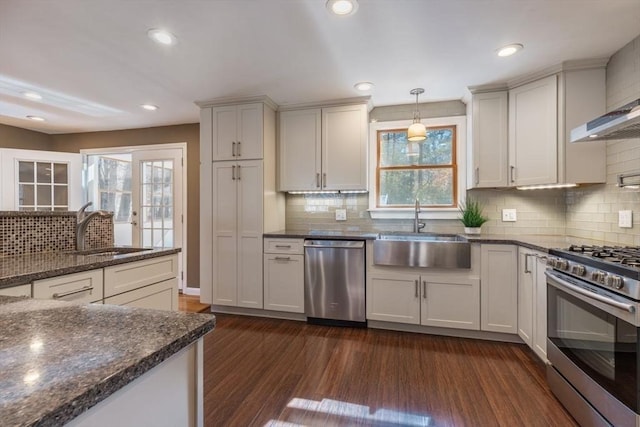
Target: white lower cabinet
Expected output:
[159,296]
[17,291]
[423,299]
[85,287]
[284,275]
[532,300]
[499,284]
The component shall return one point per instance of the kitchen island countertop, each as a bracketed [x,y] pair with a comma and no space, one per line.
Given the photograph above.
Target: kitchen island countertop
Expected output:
[60,359]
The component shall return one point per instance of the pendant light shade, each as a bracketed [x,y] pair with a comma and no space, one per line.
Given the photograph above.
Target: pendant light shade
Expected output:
[417,131]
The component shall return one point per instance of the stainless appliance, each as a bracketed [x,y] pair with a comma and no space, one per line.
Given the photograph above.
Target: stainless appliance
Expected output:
[334,282]
[593,326]
[623,122]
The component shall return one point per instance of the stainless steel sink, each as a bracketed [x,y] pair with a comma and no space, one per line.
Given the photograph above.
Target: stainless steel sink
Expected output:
[108,251]
[422,250]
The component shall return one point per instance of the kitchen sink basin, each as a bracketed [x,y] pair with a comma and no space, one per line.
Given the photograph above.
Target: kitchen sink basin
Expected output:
[108,251]
[422,250]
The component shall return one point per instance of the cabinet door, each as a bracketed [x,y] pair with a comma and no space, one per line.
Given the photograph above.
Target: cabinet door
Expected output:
[533,133]
[526,271]
[489,140]
[249,216]
[249,137]
[499,284]
[17,291]
[540,308]
[344,148]
[284,282]
[224,247]
[299,150]
[159,296]
[451,305]
[394,298]
[224,132]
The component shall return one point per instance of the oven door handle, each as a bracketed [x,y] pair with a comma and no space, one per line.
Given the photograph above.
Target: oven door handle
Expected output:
[555,281]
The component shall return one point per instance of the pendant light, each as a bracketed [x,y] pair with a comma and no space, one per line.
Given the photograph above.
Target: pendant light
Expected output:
[417,131]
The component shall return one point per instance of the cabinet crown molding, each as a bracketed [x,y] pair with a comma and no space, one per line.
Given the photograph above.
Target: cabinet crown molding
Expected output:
[217,102]
[330,103]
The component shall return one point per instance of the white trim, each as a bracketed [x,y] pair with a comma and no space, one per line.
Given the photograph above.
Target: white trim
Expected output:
[190,291]
[461,160]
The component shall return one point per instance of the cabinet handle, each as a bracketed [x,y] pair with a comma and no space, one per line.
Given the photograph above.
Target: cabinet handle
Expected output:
[417,288]
[233,149]
[318,180]
[324,180]
[283,258]
[233,172]
[283,246]
[526,263]
[477,175]
[239,177]
[424,289]
[76,291]
[238,150]
[512,173]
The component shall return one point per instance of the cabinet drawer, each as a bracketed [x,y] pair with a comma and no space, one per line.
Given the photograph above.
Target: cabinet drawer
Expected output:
[17,291]
[127,277]
[159,296]
[284,246]
[77,287]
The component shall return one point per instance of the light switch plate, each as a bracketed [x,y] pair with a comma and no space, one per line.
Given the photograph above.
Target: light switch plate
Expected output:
[509,215]
[625,219]
[341,214]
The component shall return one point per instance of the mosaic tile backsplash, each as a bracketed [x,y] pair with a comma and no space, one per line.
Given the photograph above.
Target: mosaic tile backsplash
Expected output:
[34,232]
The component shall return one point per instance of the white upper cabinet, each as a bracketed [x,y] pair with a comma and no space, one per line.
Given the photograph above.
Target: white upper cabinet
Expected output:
[533,133]
[323,149]
[235,131]
[488,117]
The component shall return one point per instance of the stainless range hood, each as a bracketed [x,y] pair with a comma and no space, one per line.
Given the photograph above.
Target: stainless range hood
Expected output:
[622,123]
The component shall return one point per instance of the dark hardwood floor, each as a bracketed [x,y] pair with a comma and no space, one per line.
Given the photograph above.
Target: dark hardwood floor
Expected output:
[265,372]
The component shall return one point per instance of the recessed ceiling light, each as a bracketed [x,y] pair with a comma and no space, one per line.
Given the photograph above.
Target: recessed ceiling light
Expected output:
[149,107]
[595,135]
[342,7]
[32,95]
[363,86]
[36,118]
[162,37]
[510,49]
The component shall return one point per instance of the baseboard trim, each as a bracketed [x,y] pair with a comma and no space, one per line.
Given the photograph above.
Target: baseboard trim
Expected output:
[449,332]
[223,309]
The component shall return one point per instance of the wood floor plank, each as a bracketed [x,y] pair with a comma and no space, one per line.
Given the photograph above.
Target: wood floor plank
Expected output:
[268,372]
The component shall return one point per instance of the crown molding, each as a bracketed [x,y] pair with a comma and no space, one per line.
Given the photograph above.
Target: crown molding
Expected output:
[330,103]
[217,102]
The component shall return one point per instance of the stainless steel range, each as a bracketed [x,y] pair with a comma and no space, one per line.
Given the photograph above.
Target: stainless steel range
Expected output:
[593,325]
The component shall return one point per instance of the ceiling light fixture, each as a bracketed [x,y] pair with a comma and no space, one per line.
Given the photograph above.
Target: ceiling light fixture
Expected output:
[510,49]
[32,95]
[363,86]
[417,131]
[342,7]
[149,107]
[162,37]
[36,118]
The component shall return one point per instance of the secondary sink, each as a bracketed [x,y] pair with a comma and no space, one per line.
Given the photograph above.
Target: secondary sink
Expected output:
[108,251]
[422,250]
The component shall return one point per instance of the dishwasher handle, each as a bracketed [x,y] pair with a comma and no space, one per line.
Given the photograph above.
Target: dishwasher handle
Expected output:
[335,244]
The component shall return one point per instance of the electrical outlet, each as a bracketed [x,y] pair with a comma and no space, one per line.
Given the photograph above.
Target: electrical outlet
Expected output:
[625,219]
[509,215]
[341,214]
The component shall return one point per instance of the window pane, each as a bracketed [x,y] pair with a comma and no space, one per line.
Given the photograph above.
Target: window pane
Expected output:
[60,173]
[60,195]
[437,148]
[26,195]
[430,186]
[43,174]
[25,171]
[394,149]
[44,195]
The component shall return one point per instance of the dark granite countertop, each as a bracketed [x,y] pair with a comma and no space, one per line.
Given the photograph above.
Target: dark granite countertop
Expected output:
[60,359]
[323,234]
[21,269]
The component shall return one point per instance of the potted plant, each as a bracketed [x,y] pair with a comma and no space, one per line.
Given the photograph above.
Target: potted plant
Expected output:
[472,217]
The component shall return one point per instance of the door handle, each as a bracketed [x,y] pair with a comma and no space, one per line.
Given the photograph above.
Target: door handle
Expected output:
[238,150]
[417,288]
[233,172]
[477,175]
[283,258]
[324,180]
[239,173]
[424,289]
[512,173]
[68,293]
[318,180]
[233,149]
[526,263]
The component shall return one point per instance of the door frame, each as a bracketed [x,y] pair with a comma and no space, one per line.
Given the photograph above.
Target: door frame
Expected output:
[151,147]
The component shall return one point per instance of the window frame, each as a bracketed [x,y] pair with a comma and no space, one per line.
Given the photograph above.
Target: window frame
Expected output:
[427,212]
[453,165]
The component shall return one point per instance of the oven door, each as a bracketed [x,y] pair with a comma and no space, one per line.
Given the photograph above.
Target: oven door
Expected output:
[593,339]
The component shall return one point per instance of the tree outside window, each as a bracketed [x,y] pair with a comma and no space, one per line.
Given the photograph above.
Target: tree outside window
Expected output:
[424,170]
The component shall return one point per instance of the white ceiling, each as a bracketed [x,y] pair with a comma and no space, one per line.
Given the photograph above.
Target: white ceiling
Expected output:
[93,61]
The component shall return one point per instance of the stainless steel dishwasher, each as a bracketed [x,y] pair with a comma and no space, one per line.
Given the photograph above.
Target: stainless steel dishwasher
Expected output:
[334,282]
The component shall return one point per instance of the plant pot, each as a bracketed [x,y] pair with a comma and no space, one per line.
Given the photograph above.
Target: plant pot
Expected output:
[472,230]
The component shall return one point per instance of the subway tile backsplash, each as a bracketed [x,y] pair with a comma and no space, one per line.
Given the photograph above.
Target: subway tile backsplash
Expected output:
[33,232]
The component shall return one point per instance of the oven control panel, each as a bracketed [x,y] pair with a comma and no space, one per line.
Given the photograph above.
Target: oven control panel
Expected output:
[596,276]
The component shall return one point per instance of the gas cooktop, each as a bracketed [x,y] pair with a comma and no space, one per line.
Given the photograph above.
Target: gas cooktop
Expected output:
[621,260]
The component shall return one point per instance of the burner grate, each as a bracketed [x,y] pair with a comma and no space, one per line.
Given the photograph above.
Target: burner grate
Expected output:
[625,255]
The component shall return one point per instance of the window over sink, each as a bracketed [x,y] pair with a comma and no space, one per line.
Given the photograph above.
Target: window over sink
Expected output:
[432,171]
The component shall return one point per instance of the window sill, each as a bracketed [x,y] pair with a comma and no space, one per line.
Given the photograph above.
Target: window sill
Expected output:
[409,213]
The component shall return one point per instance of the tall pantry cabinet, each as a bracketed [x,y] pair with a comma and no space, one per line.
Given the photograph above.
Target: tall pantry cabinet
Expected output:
[238,198]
